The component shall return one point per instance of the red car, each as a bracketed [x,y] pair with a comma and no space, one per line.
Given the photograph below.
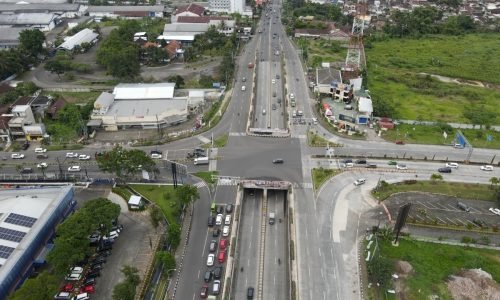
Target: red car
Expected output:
[68,287]
[87,289]
[223,244]
[222,256]
[204,291]
[400,143]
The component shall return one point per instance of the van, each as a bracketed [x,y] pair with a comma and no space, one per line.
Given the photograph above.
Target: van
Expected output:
[201,161]
[264,112]
[463,206]
[250,291]
[272,217]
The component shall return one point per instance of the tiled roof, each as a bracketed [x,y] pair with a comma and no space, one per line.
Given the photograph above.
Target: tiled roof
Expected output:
[193,8]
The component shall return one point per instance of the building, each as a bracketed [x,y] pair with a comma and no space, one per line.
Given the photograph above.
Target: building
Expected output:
[28,218]
[42,21]
[83,36]
[191,10]
[327,80]
[21,116]
[126,12]
[63,10]
[146,106]
[183,33]
[4,123]
[228,6]
[9,37]
[198,25]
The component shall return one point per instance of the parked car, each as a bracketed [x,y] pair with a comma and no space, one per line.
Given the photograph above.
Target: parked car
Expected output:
[74,169]
[26,171]
[496,211]
[84,157]
[17,156]
[63,296]
[99,260]
[218,219]
[156,155]
[223,244]
[229,208]
[444,170]
[82,296]
[216,287]
[208,276]
[76,270]
[227,221]
[218,272]
[87,289]
[487,168]
[211,221]
[210,260]
[90,281]
[216,232]
[93,274]
[213,246]
[73,277]
[68,287]
[40,150]
[225,231]
[221,257]
[204,291]
[400,143]
[220,209]
[71,155]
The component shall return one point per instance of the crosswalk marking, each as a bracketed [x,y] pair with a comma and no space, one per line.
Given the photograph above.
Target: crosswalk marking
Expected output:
[237,134]
[227,182]
[299,136]
[203,139]
[200,184]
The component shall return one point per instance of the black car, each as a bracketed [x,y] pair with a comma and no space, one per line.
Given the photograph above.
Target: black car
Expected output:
[104,248]
[361,161]
[216,232]
[93,274]
[278,161]
[229,208]
[27,171]
[220,209]
[208,276]
[371,166]
[211,221]
[96,268]
[26,146]
[218,272]
[90,281]
[250,293]
[346,161]
[444,170]
[99,260]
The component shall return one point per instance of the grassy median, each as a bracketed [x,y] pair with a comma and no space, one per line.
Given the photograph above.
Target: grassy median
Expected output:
[163,196]
[321,175]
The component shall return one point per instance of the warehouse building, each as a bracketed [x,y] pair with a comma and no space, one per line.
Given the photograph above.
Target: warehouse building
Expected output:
[83,36]
[28,218]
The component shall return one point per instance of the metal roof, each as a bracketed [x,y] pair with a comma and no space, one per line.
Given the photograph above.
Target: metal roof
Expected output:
[129,8]
[144,91]
[182,36]
[11,34]
[38,7]
[186,27]
[105,99]
[365,105]
[84,36]
[145,108]
[27,19]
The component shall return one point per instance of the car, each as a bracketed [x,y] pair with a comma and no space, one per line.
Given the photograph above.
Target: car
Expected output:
[496,211]
[82,296]
[463,206]
[392,163]
[273,81]
[156,155]
[348,107]
[452,165]
[292,96]
[273,106]
[225,231]
[277,76]
[210,260]
[359,181]
[68,287]
[42,165]
[278,161]
[117,228]
[87,289]
[229,208]
[113,234]
[216,232]
[346,161]
[17,156]
[25,146]
[84,157]
[480,223]
[401,167]
[42,156]
[26,171]
[371,166]
[487,168]
[220,209]
[73,277]
[250,292]
[74,169]
[71,155]
[63,296]
[218,272]
[348,165]
[211,221]
[204,291]
[361,161]
[216,287]
[93,274]
[244,79]
[221,257]
[400,143]
[444,170]
[76,270]
[227,221]
[213,246]
[458,146]
[218,220]
[96,267]
[278,100]
[315,121]
[40,150]
[94,238]
[99,260]
[90,281]
[223,244]
[243,88]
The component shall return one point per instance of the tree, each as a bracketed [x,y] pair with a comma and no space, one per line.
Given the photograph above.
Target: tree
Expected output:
[436,177]
[379,270]
[479,115]
[31,41]
[124,163]
[178,79]
[56,67]
[187,193]
[156,215]
[125,290]
[174,235]
[43,286]
[167,259]
[494,181]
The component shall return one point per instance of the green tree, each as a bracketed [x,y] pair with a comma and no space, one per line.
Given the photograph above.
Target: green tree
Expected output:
[187,193]
[174,235]
[56,67]
[31,41]
[479,115]
[156,215]
[11,62]
[43,286]
[178,79]
[167,259]
[494,181]
[379,271]
[125,290]
[124,163]
[436,177]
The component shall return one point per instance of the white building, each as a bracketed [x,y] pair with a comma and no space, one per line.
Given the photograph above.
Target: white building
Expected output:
[126,12]
[146,106]
[9,37]
[229,6]
[42,21]
[63,10]
[83,36]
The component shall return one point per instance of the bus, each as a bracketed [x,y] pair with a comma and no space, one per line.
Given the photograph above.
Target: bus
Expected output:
[213,208]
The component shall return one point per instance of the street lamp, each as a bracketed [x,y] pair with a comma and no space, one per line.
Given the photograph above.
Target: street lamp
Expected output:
[168,287]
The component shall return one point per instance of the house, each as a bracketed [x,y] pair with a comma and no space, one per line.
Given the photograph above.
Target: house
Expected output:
[126,12]
[191,10]
[56,107]
[183,33]
[43,21]
[4,123]
[327,80]
[223,24]
[85,35]
[146,106]
[229,6]
[174,50]
[140,37]
[21,115]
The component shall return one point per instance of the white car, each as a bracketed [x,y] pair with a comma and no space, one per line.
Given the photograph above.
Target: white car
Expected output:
[315,121]
[487,168]
[348,165]
[40,150]
[84,157]
[156,155]
[496,211]
[71,155]
[292,96]
[227,221]
[401,167]
[76,270]
[452,165]
[17,156]
[218,219]
[43,165]
[82,296]
[210,260]
[74,169]
[359,181]
[243,88]
[273,81]
[113,235]
[225,231]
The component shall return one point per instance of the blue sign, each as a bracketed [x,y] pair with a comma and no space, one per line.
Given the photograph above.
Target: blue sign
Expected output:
[489,137]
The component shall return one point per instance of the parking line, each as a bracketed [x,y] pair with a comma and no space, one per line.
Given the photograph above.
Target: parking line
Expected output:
[451,221]
[430,205]
[442,221]
[441,206]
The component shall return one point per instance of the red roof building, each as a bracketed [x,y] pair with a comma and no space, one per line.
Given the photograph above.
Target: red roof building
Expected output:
[193,10]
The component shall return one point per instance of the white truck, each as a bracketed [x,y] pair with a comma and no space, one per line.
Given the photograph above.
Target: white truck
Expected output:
[272,217]
[201,161]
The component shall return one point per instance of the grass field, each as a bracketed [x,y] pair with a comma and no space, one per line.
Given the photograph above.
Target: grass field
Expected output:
[434,135]
[76,97]
[393,68]
[206,176]
[433,263]
[325,51]
[163,196]
[463,190]
[321,175]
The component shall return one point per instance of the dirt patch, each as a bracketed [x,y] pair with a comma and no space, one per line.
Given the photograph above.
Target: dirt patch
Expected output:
[473,284]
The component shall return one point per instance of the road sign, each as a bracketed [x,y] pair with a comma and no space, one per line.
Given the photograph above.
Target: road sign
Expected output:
[489,138]
[445,135]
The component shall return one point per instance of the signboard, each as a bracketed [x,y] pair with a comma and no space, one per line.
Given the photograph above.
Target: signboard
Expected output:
[347,118]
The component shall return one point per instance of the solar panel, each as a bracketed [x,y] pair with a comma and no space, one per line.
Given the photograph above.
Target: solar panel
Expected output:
[5,251]
[11,235]
[20,220]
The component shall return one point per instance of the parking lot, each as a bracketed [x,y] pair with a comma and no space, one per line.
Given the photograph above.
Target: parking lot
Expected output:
[133,247]
[443,210]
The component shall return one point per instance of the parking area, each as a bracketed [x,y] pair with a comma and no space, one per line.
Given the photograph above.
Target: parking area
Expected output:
[133,247]
[444,210]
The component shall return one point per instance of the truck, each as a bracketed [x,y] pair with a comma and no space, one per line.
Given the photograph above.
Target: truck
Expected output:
[201,161]
[250,65]
[272,217]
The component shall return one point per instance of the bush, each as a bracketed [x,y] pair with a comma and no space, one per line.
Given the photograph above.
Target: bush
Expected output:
[467,240]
